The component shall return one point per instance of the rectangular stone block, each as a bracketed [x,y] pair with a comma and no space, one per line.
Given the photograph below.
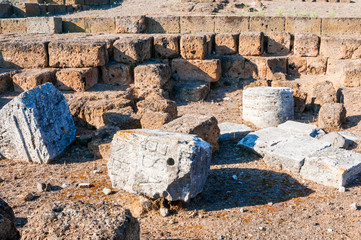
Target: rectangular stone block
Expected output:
[71,25]
[302,129]
[27,54]
[130,24]
[6,10]
[297,66]
[28,79]
[268,66]
[196,24]
[44,25]
[341,26]
[166,46]
[197,70]
[351,99]
[306,45]
[6,82]
[226,44]
[339,47]
[316,65]
[152,75]
[16,25]
[77,53]
[100,25]
[332,167]
[303,25]
[267,24]
[76,79]
[116,74]
[27,10]
[132,49]
[231,24]
[166,24]
[233,67]
[251,43]
[278,43]
[193,46]
[233,131]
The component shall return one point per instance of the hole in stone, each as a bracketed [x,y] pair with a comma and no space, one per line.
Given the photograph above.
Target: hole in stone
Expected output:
[170,161]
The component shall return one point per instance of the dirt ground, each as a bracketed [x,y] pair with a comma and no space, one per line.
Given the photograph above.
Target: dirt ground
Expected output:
[242,199]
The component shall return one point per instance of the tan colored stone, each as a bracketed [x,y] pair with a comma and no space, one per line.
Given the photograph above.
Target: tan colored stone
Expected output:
[166,46]
[267,66]
[49,25]
[226,43]
[324,92]
[74,25]
[76,79]
[191,91]
[193,46]
[130,24]
[166,24]
[154,120]
[233,67]
[316,65]
[306,45]
[299,96]
[331,117]
[250,69]
[279,43]
[303,25]
[338,47]
[101,25]
[152,75]
[251,43]
[197,70]
[6,83]
[132,49]
[341,26]
[267,24]
[230,24]
[297,66]
[197,24]
[351,98]
[28,79]
[17,25]
[116,74]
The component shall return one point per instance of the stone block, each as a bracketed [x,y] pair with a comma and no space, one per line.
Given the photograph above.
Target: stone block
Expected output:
[28,79]
[204,126]
[193,46]
[332,167]
[6,82]
[278,43]
[341,26]
[324,92]
[232,131]
[297,66]
[336,140]
[196,24]
[233,67]
[17,25]
[100,25]
[76,79]
[116,74]
[36,126]
[71,25]
[299,96]
[6,10]
[340,47]
[316,65]
[267,24]
[303,25]
[251,43]
[197,70]
[267,106]
[130,24]
[166,46]
[44,25]
[226,44]
[331,116]
[27,10]
[101,141]
[152,75]
[230,24]
[162,164]
[306,45]
[163,24]
[77,53]
[7,221]
[302,129]
[191,91]
[348,74]
[124,118]
[23,54]
[351,98]
[266,67]
[131,50]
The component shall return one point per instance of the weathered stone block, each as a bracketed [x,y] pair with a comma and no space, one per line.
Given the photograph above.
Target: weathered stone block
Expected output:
[36,126]
[18,54]
[297,66]
[116,74]
[6,82]
[230,24]
[74,25]
[193,46]
[302,129]
[197,70]
[132,50]
[351,98]
[152,75]
[299,96]
[232,131]
[196,24]
[77,54]
[191,91]
[341,26]
[101,141]
[332,116]
[130,24]
[323,92]
[17,25]
[340,47]
[303,25]
[266,67]
[226,44]
[6,10]
[7,221]
[166,46]
[316,65]
[278,43]
[27,10]
[336,140]
[76,79]
[251,43]
[124,118]
[100,25]
[44,25]
[267,24]
[162,164]
[332,167]
[28,79]
[306,45]
[233,67]
[163,24]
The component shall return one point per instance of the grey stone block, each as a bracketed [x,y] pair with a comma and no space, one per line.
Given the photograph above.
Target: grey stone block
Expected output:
[44,25]
[302,129]
[233,131]
[336,139]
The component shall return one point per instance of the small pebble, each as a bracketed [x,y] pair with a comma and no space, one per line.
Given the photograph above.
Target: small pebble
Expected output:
[342,189]
[262,228]
[228,99]
[354,206]
[242,210]
[43,187]
[164,211]
[107,191]
[235,177]
[84,185]
[97,171]
[329,230]
[171,221]
[27,197]
[270,204]
[1,180]
[65,185]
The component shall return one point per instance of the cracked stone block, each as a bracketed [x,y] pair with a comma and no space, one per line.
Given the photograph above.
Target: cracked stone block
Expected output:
[251,43]
[116,74]
[28,79]
[36,126]
[152,75]
[193,46]
[132,49]
[302,129]
[76,79]
[157,163]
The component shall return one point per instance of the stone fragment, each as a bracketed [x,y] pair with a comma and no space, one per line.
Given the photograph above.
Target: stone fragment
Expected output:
[226,44]
[342,189]
[193,46]
[203,126]
[323,93]
[197,70]
[116,74]
[166,46]
[164,212]
[267,106]
[76,79]
[43,187]
[84,185]
[354,207]
[71,220]
[130,24]
[101,141]
[336,139]
[77,53]
[332,167]
[27,196]
[132,50]
[191,91]
[251,43]
[107,191]
[306,45]
[152,75]
[331,116]
[36,126]
[232,131]
[28,79]
[161,164]
[351,136]
[297,66]
[316,65]
[302,129]
[6,211]
[278,43]
[233,67]
[7,222]
[48,25]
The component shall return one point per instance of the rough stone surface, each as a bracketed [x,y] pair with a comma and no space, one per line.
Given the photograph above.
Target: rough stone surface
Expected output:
[299,96]
[76,79]
[267,106]
[101,141]
[116,74]
[59,220]
[251,43]
[323,93]
[163,24]
[197,70]
[166,46]
[332,116]
[131,50]
[302,129]
[340,47]
[8,230]
[336,139]
[191,91]
[297,66]
[332,167]
[152,75]
[193,46]
[6,81]
[316,65]
[306,45]
[226,44]
[278,43]
[232,131]
[44,25]
[203,126]
[36,126]
[351,98]
[130,24]
[233,67]
[28,79]
[159,164]
[124,118]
